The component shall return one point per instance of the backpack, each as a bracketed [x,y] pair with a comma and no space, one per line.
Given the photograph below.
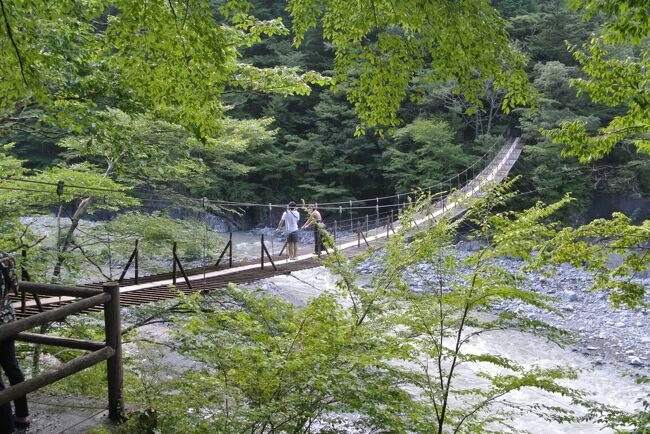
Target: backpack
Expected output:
[8,278]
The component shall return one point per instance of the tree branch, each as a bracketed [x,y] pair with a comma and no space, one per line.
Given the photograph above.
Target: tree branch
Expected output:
[10,34]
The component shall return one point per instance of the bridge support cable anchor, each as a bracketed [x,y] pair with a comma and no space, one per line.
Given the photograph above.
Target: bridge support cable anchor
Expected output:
[114,371]
[177,262]
[134,256]
[264,250]
[360,235]
[227,248]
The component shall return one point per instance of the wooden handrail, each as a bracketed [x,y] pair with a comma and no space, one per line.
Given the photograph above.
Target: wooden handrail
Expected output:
[111,351]
[57,290]
[65,370]
[59,341]
[15,327]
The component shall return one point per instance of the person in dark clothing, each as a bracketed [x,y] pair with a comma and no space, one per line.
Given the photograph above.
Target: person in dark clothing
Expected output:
[8,283]
[315,219]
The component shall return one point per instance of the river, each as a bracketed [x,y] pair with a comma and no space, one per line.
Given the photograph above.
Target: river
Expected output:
[610,381]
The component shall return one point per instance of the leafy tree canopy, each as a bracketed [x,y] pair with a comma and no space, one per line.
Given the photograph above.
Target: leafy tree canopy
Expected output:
[617,81]
[381,45]
[171,58]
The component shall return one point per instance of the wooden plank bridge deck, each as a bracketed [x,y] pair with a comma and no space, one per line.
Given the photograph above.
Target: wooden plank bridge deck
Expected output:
[158,287]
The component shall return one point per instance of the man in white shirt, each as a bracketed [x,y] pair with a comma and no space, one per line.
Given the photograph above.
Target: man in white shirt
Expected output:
[291,217]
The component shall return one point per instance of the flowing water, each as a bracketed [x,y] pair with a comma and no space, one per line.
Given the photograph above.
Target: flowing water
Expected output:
[610,383]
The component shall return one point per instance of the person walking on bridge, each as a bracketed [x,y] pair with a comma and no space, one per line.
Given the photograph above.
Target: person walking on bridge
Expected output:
[316,220]
[290,218]
[9,283]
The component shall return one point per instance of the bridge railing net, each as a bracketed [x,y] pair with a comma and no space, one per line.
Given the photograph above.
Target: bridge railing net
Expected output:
[60,247]
[100,245]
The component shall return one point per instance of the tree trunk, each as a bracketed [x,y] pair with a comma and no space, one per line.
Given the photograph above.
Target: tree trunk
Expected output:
[74,222]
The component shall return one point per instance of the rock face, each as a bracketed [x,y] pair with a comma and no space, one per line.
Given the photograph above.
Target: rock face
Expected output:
[603,333]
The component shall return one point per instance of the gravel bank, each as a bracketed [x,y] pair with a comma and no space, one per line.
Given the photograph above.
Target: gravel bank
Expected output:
[603,334]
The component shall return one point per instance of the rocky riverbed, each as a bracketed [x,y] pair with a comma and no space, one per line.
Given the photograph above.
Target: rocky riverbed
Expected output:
[602,333]
[604,376]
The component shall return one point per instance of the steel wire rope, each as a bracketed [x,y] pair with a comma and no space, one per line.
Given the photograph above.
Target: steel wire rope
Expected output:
[24,189]
[325,205]
[34,181]
[481,158]
[253,204]
[243,204]
[139,195]
[117,198]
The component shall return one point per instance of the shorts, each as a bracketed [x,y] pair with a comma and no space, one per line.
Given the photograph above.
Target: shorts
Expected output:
[292,237]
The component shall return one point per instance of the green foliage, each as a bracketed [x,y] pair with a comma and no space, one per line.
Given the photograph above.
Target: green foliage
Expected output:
[156,233]
[267,366]
[594,246]
[627,20]
[390,350]
[614,81]
[544,33]
[513,8]
[381,46]
[169,58]
[423,153]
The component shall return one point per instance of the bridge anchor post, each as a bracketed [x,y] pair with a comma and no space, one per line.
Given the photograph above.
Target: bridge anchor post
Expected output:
[114,370]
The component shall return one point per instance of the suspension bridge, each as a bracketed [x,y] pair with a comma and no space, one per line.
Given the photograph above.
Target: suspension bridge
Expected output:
[55,302]
[352,235]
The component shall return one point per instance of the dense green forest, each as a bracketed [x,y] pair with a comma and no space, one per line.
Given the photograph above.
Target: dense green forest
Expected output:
[305,147]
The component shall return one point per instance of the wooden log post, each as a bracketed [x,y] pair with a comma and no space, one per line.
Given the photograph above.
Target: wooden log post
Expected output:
[65,370]
[13,328]
[137,261]
[112,323]
[262,253]
[174,263]
[230,250]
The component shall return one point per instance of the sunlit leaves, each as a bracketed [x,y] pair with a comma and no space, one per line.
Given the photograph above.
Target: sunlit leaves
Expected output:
[169,58]
[616,82]
[381,46]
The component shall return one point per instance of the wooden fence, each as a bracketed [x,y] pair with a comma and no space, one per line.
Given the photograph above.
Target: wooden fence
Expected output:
[110,350]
